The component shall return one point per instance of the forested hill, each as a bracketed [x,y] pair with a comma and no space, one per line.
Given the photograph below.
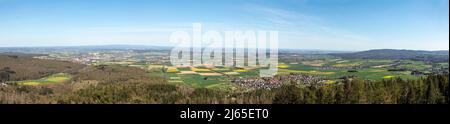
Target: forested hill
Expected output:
[25,67]
[427,56]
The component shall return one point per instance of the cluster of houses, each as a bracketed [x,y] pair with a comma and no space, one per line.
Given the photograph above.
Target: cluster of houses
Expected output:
[277,81]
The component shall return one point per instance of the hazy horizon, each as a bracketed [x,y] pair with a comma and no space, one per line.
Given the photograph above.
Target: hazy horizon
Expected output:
[137,45]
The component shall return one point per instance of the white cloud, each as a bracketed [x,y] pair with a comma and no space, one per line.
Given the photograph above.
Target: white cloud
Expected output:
[303,31]
[280,16]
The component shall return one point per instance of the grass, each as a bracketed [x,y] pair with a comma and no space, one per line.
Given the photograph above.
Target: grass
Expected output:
[57,79]
[184,69]
[200,70]
[373,74]
[283,66]
[313,72]
[197,81]
[248,73]
[347,64]
[221,69]
[408,64]
[300,67]
[366,74]
[387,77]
[241,70]
[315,63]
[172,70]
[31,83]
[53,79]
[202,81]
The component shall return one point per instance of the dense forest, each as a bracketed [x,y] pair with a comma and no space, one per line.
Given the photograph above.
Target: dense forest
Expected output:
[431,90]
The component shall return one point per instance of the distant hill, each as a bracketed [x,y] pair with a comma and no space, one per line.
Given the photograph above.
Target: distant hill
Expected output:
[419,55]
[79,49]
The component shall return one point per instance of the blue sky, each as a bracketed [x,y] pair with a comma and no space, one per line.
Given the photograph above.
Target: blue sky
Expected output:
[302,24]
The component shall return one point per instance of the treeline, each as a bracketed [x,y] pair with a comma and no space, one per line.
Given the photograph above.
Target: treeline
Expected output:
[432,90]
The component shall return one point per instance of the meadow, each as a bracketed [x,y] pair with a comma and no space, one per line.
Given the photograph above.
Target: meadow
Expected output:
[52,79]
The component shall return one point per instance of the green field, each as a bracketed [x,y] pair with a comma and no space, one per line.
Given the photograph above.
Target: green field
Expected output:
[371,69]
[53,79]
[195,80]
[366,69]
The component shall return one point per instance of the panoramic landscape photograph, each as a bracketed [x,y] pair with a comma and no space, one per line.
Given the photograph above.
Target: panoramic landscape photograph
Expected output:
[224,52]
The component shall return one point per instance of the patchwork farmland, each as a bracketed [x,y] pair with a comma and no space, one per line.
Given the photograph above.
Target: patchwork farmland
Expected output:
[148,77]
